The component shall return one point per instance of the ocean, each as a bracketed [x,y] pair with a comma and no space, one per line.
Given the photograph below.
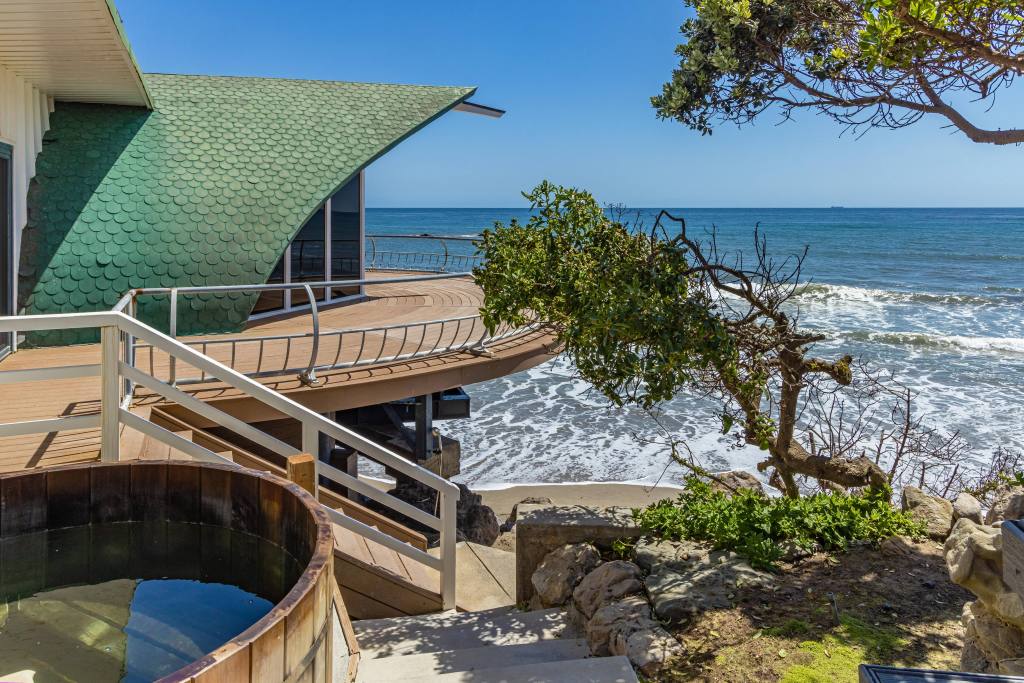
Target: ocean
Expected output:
[934,295]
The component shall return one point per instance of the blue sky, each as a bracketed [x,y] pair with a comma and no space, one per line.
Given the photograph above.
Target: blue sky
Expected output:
[576,77]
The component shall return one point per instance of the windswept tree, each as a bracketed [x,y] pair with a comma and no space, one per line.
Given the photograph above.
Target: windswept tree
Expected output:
[645,315]
[885,63]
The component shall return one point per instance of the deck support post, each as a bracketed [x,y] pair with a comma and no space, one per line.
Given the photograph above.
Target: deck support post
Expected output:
[110,394]
[424,428]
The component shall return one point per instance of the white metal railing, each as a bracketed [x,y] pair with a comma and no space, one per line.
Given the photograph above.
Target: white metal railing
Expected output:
[119,375]
[439,262]
[317,350]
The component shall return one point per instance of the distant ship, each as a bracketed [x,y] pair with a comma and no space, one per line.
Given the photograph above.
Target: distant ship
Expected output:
[837,207]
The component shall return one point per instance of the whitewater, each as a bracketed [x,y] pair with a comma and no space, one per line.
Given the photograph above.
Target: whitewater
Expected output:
[935,296]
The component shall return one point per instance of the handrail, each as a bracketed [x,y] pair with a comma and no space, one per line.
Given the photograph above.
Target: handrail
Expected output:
[410,260]
[306,371]
[117,327]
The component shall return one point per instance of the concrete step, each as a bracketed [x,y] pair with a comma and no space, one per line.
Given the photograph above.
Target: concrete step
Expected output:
[472,659]
[596,670]
[457,631]
[485,577]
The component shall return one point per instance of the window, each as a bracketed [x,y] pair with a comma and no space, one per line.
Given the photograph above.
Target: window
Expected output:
[6,244]
[328,247]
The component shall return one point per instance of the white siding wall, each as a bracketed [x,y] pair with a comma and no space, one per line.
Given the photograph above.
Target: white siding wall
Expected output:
[24,117]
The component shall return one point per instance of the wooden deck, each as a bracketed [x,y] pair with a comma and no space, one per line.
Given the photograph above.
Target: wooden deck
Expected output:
[386,304]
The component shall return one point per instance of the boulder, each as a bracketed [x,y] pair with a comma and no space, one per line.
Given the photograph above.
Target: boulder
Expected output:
[678,594]
[609,582]
[968,507]
[649,647]
[514,514]
[475,521]
[974,558]
[653,554]
[936,514]
[627,614]
[986,637]
[561,570]
[896,546]
[1008,504]
[730,482]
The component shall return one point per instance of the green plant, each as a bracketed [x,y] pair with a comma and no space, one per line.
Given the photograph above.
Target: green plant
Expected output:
[883,63]
[644,315]
[757,526]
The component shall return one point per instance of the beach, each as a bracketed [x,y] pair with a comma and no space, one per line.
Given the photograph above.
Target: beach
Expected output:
[501,500]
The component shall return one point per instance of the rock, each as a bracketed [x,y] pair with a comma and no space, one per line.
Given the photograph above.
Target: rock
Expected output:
[730,482]
[561,570]
[986,637]
[792,551]
[649,649]
[622,615]
[609,582]
[654,554]
[514,514]
[936,514]
[974,558]
[678,595]
[476,521]
[1009,504]
[968,507]
[896,546]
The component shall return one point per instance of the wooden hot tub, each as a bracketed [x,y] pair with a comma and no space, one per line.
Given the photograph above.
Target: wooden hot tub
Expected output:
[294,640]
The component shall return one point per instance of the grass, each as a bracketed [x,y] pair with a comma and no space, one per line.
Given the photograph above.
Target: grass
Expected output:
[834,657]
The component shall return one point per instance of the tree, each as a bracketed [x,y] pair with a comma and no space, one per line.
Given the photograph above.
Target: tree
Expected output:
[884,63]
[645,315]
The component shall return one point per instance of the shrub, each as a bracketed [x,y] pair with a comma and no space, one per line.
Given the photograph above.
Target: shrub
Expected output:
[756,526]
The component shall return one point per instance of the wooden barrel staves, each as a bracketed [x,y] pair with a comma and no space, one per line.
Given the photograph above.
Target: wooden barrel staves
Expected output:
[292,642]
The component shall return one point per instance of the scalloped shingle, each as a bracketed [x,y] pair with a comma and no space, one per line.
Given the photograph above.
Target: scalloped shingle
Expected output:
[208,188]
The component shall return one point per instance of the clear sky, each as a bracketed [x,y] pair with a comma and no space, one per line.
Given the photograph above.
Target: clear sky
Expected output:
[576,77]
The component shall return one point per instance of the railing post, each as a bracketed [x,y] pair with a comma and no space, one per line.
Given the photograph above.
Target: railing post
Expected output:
[129,348]
[110,394]
[308,376]
[172,332]
[448,502]
[311,444]
[302,471]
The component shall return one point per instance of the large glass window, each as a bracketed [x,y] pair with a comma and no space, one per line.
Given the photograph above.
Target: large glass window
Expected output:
[346,246]
[328,247]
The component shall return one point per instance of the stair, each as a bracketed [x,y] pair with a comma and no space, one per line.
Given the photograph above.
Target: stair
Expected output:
[485,577]
[499,645]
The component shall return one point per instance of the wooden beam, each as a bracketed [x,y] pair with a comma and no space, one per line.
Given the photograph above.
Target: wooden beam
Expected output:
[302,471]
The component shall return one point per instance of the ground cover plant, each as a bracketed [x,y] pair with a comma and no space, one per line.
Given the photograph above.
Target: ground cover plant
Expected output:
[763,528]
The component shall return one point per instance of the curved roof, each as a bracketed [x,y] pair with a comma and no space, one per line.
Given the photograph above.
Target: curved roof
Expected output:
[208,188]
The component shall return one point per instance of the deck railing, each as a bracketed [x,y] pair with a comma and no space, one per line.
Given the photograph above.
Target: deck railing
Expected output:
[119,376]
[382,254]
[319,350]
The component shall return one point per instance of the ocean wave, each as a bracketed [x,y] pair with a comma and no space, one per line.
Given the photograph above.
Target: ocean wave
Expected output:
[941,341]
[826,292]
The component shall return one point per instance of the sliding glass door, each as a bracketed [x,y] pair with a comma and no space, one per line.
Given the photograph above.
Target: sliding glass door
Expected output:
[7,262]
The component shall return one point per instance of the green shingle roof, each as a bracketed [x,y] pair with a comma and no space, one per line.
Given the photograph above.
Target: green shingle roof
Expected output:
[208,188]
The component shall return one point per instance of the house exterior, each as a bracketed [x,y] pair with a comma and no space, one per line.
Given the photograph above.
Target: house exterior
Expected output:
[135,180]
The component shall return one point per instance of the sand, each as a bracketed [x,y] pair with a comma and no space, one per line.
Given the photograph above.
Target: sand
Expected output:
[597,495]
